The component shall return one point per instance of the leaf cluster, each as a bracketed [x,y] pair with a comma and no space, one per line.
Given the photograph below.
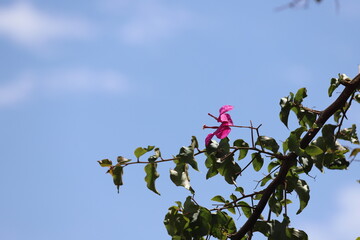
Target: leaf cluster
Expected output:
[287,165]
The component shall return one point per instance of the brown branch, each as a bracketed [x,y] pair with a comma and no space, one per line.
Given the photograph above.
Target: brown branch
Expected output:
[290,159]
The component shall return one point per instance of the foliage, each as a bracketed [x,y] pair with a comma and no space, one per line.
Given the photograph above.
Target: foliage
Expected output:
[286,166]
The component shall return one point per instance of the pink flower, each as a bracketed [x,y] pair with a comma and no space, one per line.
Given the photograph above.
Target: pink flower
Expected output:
[224,129]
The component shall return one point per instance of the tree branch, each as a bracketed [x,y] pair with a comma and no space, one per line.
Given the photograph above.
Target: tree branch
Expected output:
[290,159]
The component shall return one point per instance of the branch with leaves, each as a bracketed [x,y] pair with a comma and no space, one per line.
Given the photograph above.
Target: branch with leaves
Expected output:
[300,152]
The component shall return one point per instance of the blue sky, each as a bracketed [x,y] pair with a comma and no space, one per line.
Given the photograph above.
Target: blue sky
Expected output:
[86,80]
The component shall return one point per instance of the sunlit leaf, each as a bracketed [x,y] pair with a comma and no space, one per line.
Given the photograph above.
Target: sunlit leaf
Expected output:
[349,134]
[313,150]
[286,106]
[354,152]
[105,163]
[141,151]
[218,198]
[334,83]
[303,191]
[357,98]
[122,160]
[194,142]
[151,176]
[116,172]
[300,95]
[180,177]
[245,207]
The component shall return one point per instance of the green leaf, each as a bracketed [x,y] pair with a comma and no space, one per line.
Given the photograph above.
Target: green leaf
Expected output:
[275,205]
[157,152]
[240,190]
[223,148]
[293,141]
[180,176]
[151,176]
[286,106]
[175,223]
[349,134]
[313,150]
[328,135]
[218,198]
[233,197]
[263,227]
[337,115]
[211,172]
[194,142]
[303,191]
[300,95]
[222,161]
[268,143]
[354,152]
[272,165]
[231,210]
[229,169]
[257,161]
[201,223]
[186,155]
[141,151]
[306,163]
[339,164]
[243,148]
[357,98]
[189,206]
[285,202]
[265,180]
[334,83]
[122,160]
[295,234]
[222,225]
[117,172]
[105,163]
[245,207]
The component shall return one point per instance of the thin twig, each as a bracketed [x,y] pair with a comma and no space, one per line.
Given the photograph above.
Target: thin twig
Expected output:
[252,134]
[344,115]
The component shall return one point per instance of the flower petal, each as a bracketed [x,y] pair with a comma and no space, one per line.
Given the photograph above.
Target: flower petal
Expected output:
[208,138]
[225,109]
[225,118]
[223,131]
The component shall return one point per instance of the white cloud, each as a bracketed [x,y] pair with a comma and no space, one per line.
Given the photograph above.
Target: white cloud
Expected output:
[23,23]
[134,22]
[153,22]
[58,83]
[344,222]
[16,91]
[84,80]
